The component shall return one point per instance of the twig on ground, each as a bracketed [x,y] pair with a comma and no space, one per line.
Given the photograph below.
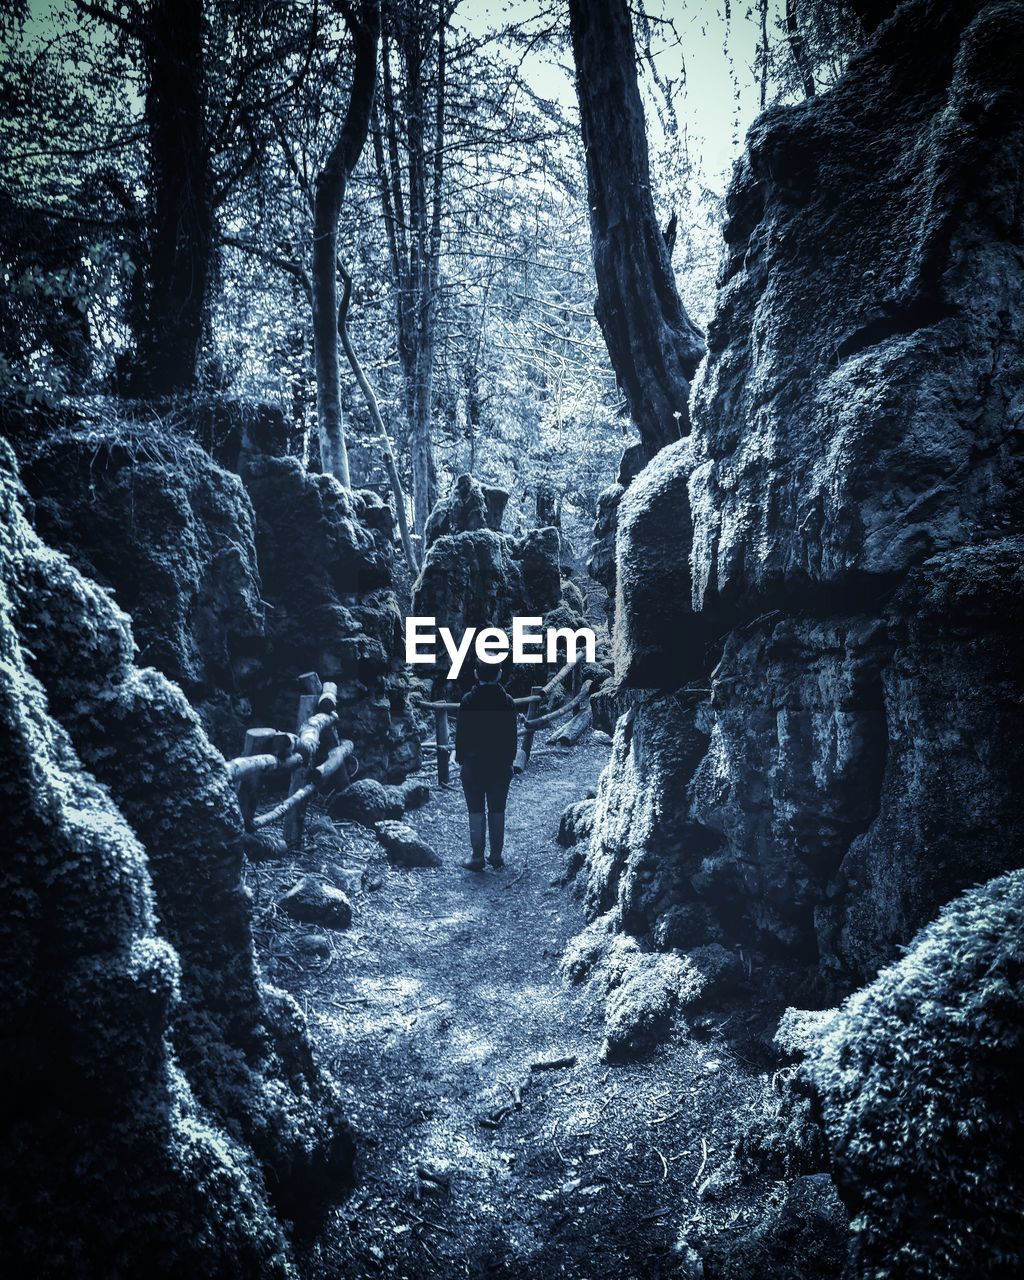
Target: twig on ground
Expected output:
[515,879]
[703,1163]
[664,1164]
[672,1115]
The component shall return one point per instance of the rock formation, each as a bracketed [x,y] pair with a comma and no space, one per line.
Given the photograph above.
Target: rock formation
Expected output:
[157,1093]
[474,575]
[925,1157]
[148,514]
[236,583]
[326,560]
[853,481]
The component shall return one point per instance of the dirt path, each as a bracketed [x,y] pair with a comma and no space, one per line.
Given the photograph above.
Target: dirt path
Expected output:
[431,1010]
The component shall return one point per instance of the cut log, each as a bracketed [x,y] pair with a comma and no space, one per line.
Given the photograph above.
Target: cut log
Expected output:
[328,697]
[295,814]
[551,716]
[569,734]
[247,785]
[249,766]
[557,679]
[333,772]
[308,741]
[287,808]
[532,707]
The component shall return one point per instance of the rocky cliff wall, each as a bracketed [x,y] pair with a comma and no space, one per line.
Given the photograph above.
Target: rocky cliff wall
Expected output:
[137,1075]
[236,580]
[836,757]
[326,558]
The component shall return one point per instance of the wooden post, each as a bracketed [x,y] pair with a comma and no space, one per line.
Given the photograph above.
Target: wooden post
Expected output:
[258,742]
[295,819]
[532,711]
[441,735]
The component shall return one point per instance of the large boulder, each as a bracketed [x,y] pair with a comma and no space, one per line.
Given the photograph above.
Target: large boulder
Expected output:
[119,1143]
[242,1043]
[470,505]
[853,479]
[865,358]
[480,578]
[917,1085]
[326,558]
[314,900]
[404,847]
[150,515]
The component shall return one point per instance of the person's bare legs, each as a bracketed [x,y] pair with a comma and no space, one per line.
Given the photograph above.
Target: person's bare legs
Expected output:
[496,830]
[477,840]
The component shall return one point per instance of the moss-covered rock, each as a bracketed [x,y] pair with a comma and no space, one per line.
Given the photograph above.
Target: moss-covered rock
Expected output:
[242,1044]
[150,515]
[918,1079]
[102,1127]
[326,556]
[470,505]
[478,577]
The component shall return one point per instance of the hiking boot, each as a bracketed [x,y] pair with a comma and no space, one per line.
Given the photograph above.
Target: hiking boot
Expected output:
[474,864]
[496,861]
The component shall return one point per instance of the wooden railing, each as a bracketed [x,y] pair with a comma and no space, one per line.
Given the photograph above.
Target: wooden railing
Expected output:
[314,757]
[567,735]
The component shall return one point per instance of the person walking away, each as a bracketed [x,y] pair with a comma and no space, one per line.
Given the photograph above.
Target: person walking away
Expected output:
[485,747]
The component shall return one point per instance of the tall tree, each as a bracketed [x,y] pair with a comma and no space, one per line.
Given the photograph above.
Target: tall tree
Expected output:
[329,192]
[169,300]
[409,146]
[654,346]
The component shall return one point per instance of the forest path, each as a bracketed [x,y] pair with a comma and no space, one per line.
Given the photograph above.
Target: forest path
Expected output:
[430,1011]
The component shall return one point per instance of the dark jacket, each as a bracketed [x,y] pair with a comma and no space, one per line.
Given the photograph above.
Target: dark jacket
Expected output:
[486,728]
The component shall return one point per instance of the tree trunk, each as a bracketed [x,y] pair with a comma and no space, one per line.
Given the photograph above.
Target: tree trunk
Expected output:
[373,406]
[798,48]
[412,216]
[180,248]
[654,346]
[329,192]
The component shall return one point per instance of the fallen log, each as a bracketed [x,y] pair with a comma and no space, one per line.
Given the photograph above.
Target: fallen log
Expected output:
[551,716]
[553,1064]
[569,734]
[557,679]
[329,697]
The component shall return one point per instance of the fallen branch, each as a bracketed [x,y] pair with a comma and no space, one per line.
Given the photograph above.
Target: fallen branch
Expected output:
[553,1064]
[569,734]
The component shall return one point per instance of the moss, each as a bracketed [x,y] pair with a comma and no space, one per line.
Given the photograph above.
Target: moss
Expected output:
[919,1081]
[640,1006]
[172,534]
[326,557]
[108,1167]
